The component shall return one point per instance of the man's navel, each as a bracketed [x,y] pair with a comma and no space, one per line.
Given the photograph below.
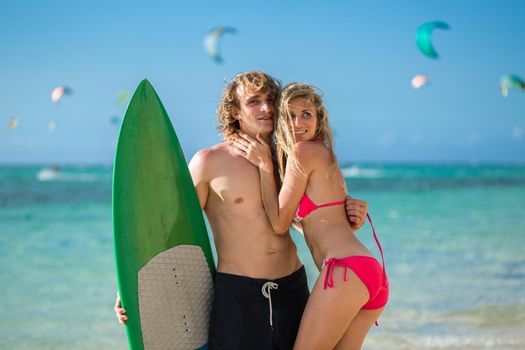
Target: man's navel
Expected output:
[238,200]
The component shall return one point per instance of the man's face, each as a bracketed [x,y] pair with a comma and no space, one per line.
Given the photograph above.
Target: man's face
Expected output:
[255,113]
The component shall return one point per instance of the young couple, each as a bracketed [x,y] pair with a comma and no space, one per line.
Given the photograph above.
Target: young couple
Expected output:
[261,297]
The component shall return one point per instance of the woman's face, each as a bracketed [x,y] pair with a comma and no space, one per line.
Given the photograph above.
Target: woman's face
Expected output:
[304,119]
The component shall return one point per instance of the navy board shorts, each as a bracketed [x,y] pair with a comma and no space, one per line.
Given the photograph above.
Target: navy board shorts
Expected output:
[250,313]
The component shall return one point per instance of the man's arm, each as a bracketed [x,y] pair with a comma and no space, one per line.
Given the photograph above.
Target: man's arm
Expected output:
[356,211]
[197,168]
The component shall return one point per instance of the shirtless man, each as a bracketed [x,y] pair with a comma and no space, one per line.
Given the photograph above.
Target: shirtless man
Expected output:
[260,287]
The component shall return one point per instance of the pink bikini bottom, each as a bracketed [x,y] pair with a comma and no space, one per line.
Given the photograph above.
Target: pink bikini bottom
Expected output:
[369,271]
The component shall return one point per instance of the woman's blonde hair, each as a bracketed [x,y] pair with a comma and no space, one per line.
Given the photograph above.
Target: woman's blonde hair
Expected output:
[255,81]
[284,132]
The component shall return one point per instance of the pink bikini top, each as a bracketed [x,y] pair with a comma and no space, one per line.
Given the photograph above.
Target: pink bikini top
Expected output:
[306,206]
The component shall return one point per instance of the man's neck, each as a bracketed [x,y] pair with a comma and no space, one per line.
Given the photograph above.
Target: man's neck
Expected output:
[266,137]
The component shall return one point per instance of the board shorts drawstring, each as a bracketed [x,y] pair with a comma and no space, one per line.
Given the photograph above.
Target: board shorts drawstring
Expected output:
[266,291]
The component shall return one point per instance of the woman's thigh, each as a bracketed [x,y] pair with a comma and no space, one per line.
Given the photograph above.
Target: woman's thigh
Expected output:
[330,311]
[355,335]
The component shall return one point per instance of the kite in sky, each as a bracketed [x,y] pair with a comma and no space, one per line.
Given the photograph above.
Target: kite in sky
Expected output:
[115,120]
[424,37]
[419,81]
[212,42]
[60,91]
[122,96]
[510,80]
[12,123]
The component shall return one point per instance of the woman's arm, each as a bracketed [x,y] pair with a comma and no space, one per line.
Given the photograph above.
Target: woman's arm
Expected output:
[280,206]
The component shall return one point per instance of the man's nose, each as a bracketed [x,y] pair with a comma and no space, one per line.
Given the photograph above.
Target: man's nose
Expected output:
[267,107]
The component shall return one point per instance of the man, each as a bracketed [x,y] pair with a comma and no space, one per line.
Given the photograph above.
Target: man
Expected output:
[260,287]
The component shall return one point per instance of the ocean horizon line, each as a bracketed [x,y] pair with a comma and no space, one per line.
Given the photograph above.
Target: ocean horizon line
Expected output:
[342,164]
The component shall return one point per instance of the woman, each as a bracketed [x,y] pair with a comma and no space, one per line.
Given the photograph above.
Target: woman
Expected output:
[352,289]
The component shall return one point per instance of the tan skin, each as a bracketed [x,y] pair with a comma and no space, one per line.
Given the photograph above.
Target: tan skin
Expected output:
[228,188]
[326,230]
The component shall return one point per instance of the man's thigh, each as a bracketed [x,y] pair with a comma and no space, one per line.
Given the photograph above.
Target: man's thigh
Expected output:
[290,311]
[239,320]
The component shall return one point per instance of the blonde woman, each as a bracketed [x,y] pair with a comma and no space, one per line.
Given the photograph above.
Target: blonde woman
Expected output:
[352,289]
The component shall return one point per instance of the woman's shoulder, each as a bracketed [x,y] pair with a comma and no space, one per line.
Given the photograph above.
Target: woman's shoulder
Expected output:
[313,153]
[312,148]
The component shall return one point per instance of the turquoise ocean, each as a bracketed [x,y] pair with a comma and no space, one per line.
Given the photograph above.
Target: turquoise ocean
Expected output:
[453,237]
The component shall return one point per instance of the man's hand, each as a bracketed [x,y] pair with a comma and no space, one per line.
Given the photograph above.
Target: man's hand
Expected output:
[119,311]
[356,211]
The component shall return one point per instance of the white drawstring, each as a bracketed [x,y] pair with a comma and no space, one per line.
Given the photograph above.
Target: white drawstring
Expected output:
[266,291]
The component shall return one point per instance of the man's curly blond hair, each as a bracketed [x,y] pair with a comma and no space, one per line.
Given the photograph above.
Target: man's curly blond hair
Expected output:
[255,81]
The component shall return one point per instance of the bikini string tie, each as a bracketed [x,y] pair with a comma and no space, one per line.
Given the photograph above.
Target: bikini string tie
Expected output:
[329,275]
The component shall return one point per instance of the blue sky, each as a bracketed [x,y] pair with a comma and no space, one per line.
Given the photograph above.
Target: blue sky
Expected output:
[361,54]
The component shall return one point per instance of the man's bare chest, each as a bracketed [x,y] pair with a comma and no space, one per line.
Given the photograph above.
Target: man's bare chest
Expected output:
[238,183]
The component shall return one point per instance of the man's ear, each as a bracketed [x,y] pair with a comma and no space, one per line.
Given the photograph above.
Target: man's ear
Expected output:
[235,113]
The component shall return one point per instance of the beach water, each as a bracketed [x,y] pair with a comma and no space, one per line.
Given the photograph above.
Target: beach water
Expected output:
[453,238]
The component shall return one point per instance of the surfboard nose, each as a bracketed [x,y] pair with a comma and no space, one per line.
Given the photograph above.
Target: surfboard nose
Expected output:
[145,84]
[144,91]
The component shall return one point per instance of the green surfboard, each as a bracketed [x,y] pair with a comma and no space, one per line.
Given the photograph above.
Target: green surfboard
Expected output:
[164,262]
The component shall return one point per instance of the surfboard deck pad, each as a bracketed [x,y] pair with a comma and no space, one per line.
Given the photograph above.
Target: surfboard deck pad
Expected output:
[175,296]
